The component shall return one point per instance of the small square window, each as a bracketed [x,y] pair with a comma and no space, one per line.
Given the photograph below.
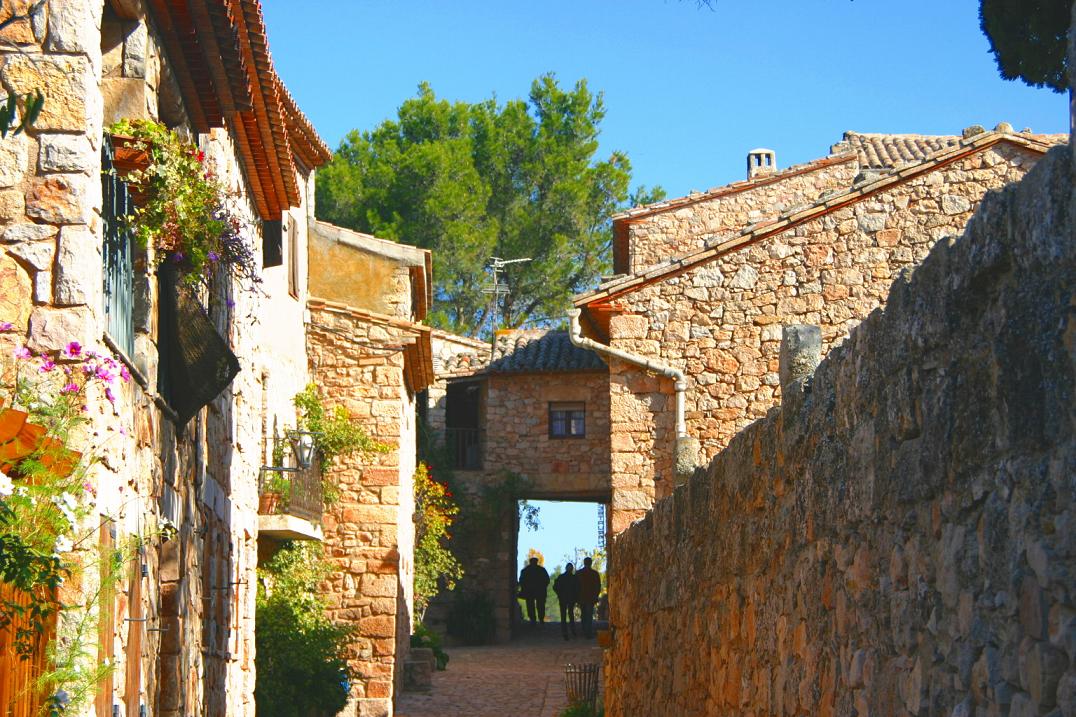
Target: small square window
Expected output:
[272,247]
[567,420]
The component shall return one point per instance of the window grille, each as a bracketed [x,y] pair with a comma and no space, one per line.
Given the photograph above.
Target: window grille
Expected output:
[117,264]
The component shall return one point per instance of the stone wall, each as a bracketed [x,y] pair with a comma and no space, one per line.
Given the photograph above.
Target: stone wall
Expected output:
[517,434]
[897,538]
[653,238]
[197,595]
[720,321]
[369,531]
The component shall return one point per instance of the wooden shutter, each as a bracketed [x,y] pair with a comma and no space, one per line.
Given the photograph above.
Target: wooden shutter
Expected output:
[18,674]
[133,686]
[106,623]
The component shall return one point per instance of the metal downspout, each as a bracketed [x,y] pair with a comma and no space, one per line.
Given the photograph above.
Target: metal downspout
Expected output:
[684,444]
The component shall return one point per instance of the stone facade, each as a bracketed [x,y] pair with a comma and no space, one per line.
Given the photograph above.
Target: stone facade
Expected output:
[715,313]
[374,365]
[650,235]
[183,637]
[895,538]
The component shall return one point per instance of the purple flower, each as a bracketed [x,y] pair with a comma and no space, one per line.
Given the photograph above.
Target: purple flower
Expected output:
[229,303]
[178,257]
[6,326]
[109,395]
[22,353]
[72,350]
[70,388]
[214,256]
[47,365]
[124,373]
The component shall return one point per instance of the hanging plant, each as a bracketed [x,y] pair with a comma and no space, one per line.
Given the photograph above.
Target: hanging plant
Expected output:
[183,210]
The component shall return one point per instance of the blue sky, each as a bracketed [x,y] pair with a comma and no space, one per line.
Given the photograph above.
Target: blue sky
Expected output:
[688,91]
[563,527]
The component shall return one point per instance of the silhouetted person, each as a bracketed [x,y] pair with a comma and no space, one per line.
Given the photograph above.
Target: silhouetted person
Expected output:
[533,581]
[590,587]
[566,586]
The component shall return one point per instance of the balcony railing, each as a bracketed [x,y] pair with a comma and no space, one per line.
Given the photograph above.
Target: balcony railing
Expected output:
[466,448]
[304,497]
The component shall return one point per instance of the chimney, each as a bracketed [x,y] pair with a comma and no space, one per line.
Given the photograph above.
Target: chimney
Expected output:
[761,162]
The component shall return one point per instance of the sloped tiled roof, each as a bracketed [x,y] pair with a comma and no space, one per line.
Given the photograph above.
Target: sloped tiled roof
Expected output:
[751,234]
[891,151]
[539,350]
[219,52]
[461,364]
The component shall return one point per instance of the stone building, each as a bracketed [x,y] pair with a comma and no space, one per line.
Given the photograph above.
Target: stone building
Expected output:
[180,633]
[533,415]
[369,353]
[696,337]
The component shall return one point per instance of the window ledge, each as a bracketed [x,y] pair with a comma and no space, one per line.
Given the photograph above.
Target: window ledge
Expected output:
[140,379]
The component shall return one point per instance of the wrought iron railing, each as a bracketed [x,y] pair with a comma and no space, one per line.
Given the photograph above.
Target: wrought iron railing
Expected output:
[466,448]
[304,497]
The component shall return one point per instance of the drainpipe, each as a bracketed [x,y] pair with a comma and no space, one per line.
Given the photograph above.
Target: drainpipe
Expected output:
[686,446]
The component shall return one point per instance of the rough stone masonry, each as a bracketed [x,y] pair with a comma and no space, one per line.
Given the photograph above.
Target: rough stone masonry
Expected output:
[899,537]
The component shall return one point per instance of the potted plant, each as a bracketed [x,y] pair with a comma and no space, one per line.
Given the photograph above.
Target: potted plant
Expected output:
[183,211]
[277,487]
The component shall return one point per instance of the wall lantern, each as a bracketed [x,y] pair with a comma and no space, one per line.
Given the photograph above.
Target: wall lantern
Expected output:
[303,448]
[302,445]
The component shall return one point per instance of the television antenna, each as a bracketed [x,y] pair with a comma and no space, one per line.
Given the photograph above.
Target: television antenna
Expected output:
[498,290]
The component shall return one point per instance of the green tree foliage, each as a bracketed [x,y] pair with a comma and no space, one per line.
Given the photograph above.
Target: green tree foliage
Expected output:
[301,669]
[471,181]
[1028,39]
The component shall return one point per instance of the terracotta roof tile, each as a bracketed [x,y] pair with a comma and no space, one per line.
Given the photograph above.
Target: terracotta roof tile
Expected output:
[539,350]
[893,151]
[724,244]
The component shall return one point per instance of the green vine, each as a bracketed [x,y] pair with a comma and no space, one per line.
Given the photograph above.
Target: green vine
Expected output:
[435,565]
[336,434]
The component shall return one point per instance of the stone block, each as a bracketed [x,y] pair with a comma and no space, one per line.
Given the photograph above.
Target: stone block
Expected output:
[35,255]
[16,292]
[66,80]
[66,153]
[628,326]
[59,199]
[12,205]
[78,267]
[801,350]
[13,161]
[73,27]
[52,329]
[19,233]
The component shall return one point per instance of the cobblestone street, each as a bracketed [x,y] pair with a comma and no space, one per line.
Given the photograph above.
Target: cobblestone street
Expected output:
[524,678]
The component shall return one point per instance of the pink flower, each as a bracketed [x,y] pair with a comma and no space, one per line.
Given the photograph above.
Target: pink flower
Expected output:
[22,353]
[88,487]
[47,365]
[124,373]
[123,430]
[72,350]
[70,388]
[110,396]
[104,374]
[6,326]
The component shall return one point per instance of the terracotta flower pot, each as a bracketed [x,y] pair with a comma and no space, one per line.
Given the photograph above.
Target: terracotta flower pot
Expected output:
[131,155]
[267,503]
[19,439]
